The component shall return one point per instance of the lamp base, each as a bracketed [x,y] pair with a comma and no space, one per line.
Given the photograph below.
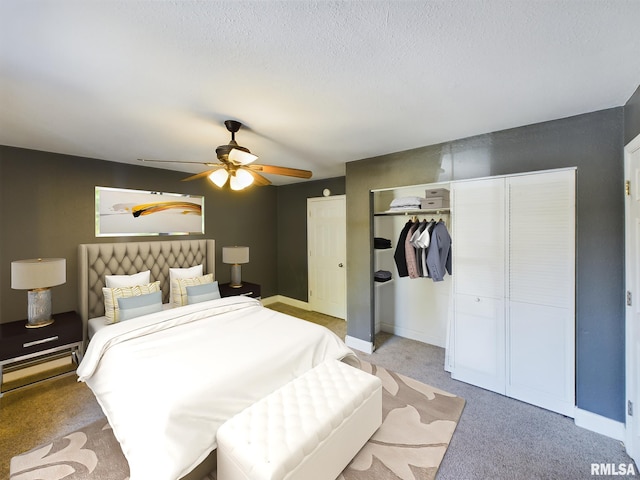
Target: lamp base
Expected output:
[41,324]
[236,274]
[39,308]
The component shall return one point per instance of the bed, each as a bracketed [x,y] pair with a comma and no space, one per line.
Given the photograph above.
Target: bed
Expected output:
[96,260]
[166,381]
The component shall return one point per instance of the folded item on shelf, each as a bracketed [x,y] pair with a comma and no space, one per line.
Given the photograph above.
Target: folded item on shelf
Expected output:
[405,202]
[379,242]
[382,276]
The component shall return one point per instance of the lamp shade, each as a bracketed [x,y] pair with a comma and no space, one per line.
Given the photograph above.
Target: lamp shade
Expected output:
[243,158]
[235,255]
[38,273]
[240,179]
[219,177]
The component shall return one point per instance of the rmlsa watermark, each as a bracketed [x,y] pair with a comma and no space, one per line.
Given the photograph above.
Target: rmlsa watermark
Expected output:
[610,469]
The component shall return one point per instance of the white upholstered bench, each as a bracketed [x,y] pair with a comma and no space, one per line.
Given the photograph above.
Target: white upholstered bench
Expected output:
[309,429]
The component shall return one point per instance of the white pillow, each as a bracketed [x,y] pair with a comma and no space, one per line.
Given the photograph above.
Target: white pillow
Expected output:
[180,295]
[114,281]
[176,273]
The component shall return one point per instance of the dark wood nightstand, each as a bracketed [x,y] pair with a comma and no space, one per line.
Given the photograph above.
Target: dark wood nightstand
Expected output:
[248,289]
[21,346]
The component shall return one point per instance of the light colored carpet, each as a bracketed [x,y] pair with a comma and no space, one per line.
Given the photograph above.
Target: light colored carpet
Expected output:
[496,438]
[40,413]
[418,423]
[48,411]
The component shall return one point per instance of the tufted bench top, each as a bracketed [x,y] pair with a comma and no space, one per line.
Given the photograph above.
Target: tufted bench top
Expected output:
[274,436]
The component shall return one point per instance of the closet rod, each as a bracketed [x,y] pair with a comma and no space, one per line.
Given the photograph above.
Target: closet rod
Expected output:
[438,211]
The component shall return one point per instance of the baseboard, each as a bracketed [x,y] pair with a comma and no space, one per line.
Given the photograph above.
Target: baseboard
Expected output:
[412,334]
[358,344]
[269,300]
[286,300]
[599,424]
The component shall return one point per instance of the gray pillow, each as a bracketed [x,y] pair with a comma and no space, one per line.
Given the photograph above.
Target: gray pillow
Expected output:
[131,307]
[202,293]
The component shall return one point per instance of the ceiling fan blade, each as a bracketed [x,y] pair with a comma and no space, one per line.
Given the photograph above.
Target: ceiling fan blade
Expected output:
[206,173]
[290,172]
[258,179]
[178,161]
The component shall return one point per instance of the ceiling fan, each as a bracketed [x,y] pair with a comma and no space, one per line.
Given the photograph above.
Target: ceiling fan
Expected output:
[236,165]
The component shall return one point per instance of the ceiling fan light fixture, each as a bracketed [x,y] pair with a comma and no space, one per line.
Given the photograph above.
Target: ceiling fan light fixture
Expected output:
[241,157]
[240,179]
[235,165]
[219,177]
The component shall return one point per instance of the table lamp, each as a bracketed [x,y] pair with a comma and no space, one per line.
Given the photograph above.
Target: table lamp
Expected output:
[38,275]
[235,256]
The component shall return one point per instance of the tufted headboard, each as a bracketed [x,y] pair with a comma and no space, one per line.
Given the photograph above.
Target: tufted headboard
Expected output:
[95,260]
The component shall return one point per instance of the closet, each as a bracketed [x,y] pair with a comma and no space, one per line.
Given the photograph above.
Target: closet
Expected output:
[513,323]
[415,308]
[506,315]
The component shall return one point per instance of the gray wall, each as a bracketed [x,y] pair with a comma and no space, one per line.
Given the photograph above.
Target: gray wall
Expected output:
[47,209]
[591,142]
[632,117]
[292,233]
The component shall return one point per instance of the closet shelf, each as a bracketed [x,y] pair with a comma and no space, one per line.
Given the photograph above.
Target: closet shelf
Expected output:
[437,211]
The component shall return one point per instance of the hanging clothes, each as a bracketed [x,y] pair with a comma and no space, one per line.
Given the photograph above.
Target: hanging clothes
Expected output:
[417,246]
[410,252]
[422,243]
[400,256]
[439,253]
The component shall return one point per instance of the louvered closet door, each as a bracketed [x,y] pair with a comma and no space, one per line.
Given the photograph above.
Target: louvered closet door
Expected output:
[478,236]
[541,290]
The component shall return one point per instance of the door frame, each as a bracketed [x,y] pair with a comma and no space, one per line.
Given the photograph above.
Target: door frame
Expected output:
[631,369]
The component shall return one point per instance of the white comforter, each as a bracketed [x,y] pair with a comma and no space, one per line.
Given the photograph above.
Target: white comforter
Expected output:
[167,381]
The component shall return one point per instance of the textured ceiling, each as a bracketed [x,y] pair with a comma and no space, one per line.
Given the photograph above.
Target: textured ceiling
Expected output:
[317,84]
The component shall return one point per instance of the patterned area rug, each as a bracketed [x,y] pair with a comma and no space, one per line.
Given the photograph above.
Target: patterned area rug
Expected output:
[418,423]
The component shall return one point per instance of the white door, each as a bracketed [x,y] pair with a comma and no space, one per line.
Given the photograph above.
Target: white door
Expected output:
[632,251]
[540,290]
[327,247]
[478,217]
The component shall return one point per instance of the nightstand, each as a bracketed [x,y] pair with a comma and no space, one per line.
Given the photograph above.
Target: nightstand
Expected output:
[247,289]
[21,346]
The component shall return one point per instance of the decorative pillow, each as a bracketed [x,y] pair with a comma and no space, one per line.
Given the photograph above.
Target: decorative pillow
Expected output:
[202,293]
[142,278]
[176,273]
[131,307]
[180,288]
[111,295]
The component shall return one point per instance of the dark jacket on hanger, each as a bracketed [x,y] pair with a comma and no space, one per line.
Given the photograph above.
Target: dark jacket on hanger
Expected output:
[400,256]
[439,253]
